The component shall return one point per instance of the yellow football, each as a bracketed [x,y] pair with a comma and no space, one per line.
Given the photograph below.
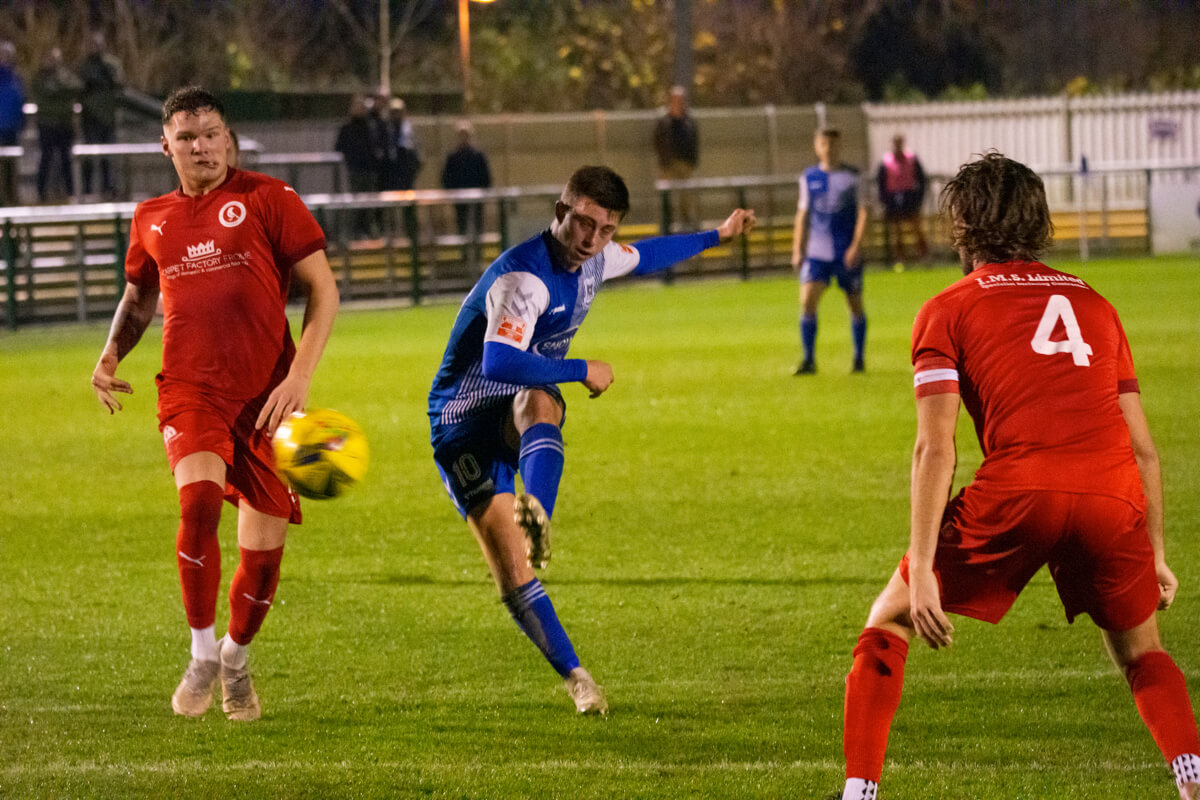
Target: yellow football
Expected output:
[320,453]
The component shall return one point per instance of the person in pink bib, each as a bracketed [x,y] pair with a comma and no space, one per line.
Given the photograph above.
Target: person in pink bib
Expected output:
[901,192]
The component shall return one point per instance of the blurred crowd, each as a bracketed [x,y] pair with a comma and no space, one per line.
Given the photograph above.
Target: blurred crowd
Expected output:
[94,85]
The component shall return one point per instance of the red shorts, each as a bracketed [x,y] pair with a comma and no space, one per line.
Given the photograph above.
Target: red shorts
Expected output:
[194,422]
[1097,548]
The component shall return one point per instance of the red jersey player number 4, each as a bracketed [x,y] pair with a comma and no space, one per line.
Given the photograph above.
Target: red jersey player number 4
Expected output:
[1070,476]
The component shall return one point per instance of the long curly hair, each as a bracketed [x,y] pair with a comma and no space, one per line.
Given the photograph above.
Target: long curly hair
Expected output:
[996,210]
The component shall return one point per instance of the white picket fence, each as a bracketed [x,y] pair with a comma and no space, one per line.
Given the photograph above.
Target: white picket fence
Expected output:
[1053,134]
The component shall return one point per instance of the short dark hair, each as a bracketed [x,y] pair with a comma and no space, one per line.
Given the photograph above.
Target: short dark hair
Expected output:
[193,100]
[601,185]
[997,211]
[829,132]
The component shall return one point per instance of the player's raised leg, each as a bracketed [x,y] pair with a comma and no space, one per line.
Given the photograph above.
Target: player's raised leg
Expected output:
[1162,700]
[537,419]
[200,478]
[873,689]
[503,545]
[260,541]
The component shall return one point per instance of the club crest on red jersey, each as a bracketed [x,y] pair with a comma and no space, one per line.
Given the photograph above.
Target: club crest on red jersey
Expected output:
[232,214]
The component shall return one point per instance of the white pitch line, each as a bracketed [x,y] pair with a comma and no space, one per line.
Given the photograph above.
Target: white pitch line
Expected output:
[60,767]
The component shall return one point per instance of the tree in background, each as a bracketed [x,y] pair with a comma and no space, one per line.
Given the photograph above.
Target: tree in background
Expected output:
[567,55]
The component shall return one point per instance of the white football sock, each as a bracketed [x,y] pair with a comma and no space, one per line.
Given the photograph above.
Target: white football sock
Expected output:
[1187,770]
[233,655]
[204,644]
[860,789]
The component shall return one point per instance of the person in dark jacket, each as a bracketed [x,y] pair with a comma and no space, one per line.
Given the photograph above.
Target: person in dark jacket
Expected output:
[467,168]
[677,146]
[55,89]
[355,141]
[102,79]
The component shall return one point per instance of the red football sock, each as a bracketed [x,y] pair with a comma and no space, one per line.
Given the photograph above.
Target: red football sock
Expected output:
[198,550]
[872,697]
[252,591]
[1162,699]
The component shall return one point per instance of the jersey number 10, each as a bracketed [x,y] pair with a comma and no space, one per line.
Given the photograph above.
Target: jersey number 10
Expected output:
[1059,307]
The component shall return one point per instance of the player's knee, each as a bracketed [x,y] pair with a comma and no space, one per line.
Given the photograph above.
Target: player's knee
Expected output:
[200,505]
[534,406]
[1128,647]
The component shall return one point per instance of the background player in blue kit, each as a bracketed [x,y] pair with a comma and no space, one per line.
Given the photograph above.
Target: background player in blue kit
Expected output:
[495,408]
[830,220]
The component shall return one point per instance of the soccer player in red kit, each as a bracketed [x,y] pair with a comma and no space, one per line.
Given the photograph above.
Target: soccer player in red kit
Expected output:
[222,251]
[1070,476]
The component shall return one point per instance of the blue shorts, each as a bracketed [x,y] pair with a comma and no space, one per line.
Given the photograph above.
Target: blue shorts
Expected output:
[850,280]
[473,458]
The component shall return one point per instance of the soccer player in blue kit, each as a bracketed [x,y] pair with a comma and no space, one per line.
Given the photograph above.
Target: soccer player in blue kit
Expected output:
[495,408]
[827,243]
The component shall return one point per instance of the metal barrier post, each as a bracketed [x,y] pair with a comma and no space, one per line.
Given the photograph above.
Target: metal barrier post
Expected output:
[668,274]
[119,248]
[745,237]
[81,279]
[416,263]
[10,270]
[502,208]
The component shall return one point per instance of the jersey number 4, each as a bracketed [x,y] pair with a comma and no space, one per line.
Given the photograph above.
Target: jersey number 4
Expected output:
[1059,307]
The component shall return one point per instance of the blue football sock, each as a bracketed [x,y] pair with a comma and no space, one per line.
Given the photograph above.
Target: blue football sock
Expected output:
[534,614]
[858,330]
[808,335]
[541,463]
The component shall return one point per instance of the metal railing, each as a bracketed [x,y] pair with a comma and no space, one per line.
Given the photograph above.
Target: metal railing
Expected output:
[66,263]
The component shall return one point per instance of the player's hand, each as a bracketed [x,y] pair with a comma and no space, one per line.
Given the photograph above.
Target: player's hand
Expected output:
[1168,584]
[740,221]
[797,266]
[105,382]
[850,259]
[930,622]
[599,377]
[289,396]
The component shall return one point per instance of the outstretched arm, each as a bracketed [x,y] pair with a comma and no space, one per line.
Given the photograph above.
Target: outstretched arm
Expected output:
[291,394]
[1148,466]
[933,463]
[133,316]
[661,252]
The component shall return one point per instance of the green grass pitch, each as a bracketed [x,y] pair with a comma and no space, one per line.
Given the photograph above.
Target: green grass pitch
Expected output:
[722,530]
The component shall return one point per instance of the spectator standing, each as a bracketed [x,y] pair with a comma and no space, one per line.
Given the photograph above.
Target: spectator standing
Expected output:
[12,121]
[402,159]
[677,145]
[355,141]
[902,184]
[467,168]
[102,78]
[55,90]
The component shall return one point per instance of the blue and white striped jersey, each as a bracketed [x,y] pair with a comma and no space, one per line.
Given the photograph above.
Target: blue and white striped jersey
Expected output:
[524,299]
[832,200]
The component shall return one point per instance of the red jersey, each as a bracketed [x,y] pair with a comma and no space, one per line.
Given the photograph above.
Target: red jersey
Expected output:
[223,263]
[1038,357]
